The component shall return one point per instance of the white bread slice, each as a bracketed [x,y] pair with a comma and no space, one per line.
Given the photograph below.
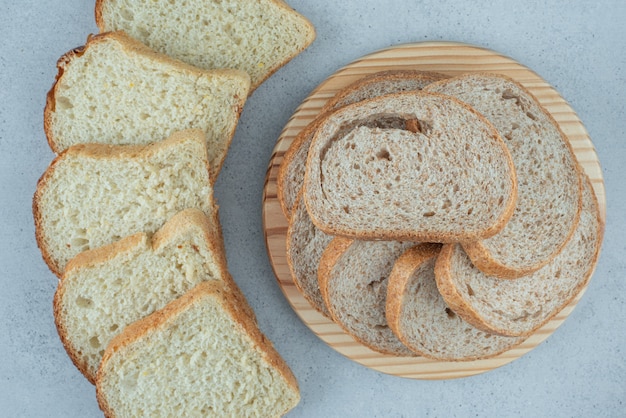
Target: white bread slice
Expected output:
[292,167]
[549,189]
[257,37]
[418,315]
[93,194]
[446,177]
[105,289]
[201,355]
[381,83]
[115,90]
[305,246]
[520,306]
[353,280]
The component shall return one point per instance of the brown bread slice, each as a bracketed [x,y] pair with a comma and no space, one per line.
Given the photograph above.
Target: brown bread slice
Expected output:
[381,83]
[201,355]
[105,289]
[549,189]
[305,246]
[291,172]
[418,315]
[520,306]
[353,280]
[446,177]
[93,194]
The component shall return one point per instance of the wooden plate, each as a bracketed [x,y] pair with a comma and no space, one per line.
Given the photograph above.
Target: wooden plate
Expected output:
[448,58]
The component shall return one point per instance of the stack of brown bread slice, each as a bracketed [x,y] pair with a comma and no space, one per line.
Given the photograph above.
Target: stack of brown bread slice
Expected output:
[141,118]
[447,217]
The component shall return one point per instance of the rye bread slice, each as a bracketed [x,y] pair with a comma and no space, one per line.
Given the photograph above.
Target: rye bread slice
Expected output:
[549,189]
[420,318]
[353,280]
[381,83]
[446,177]
[305,246]
[291,172]
[520,306]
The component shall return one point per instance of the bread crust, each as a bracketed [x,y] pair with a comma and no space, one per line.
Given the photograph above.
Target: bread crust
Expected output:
[104,152]
[411,235]
[381,76]
[306,25]
[161,318]
[133,46]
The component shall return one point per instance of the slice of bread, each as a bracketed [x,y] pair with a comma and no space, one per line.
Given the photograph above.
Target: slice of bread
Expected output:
[418,315]
[381,83]
[305,246]
[353,277]
[520,306]
[201,355]
[115,90]
[291,172]
[257,37]
[549,189]
[92,195]
[105,289]
[446,177]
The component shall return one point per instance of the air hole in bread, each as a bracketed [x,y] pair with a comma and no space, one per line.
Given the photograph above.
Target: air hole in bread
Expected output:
[398,178]
[419,157]
[84,302]
[126,14]
[470,210]
[413,125]
[383,154]
[531,116]
[455,188]
[428,214]
[114,327]
[450,313]
[356,166]
[470,291]
[94,341]
[346,209]
[508,136]
[375,284]
[64,103]
[508,95]
[446,204]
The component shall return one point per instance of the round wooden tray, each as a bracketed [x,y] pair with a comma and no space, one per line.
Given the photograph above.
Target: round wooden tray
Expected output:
[448,58]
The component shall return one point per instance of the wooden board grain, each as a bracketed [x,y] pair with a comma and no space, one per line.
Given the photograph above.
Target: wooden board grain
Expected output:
[448,58]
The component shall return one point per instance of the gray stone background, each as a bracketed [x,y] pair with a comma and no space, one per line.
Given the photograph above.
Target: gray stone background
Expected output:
[577,46]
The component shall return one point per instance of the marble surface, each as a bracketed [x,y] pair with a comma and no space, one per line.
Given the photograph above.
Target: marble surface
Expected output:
[579,47]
